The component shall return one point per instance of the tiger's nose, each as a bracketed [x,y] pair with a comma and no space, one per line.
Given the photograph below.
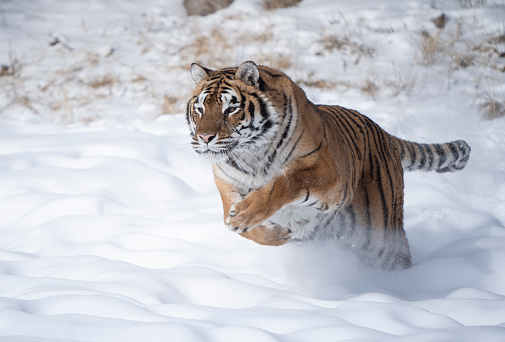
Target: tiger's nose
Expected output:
[206,137]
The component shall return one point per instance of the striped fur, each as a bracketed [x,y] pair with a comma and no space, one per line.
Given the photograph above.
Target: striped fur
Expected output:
[288,170]
[447,157]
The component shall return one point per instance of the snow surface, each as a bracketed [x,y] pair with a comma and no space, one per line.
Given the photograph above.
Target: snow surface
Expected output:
[111,227]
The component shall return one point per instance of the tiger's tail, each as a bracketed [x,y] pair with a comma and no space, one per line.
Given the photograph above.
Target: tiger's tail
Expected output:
[447,157]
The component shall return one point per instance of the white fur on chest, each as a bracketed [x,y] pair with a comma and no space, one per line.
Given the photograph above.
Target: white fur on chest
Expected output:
[245,182]
[301,220]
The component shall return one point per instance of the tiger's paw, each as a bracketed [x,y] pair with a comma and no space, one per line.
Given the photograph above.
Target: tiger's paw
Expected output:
[245,215]
[268,234]
[232,223]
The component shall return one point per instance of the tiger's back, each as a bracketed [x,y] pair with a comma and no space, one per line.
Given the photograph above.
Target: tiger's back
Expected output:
[287,169]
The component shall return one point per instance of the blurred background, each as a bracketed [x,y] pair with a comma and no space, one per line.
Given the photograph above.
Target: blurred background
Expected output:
[74,61]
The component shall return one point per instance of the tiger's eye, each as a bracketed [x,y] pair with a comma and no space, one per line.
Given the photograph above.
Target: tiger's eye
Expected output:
[230,110]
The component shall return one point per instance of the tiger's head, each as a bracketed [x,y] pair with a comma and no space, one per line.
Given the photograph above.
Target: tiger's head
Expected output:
[229,112]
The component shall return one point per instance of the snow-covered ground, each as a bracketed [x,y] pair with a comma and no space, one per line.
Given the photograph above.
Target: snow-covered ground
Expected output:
[111,227]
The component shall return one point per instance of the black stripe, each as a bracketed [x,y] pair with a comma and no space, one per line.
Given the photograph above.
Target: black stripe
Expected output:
[454,151]
[227,175]
[339,230]
[286,131]
[372,129]
[346,126]
[251,108]
[463,147]
[271,74]
[263,109]
[368,226]
[387,263]
[234,164]
[350,210]
[286,102]
[379,144]
[423,156]
[345,137]
[281,141]
[266,126]
[402,149]
[431,156]
[188,112]
[294,146]
[331,217]
[272,156]
[307,196]
[413,155]
[313,151]
[380,187]
[441,154]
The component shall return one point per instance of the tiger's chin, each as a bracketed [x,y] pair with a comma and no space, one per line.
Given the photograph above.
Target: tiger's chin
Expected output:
[216,155]
[213,156]
[227,152]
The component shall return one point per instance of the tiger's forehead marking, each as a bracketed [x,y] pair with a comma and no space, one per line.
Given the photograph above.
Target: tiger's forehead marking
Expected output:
[202,96]
[229,96]
[217,82]
[219,92]
[226,98]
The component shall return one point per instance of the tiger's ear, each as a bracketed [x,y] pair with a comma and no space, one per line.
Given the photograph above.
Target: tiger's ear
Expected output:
[199,73]
[248,73]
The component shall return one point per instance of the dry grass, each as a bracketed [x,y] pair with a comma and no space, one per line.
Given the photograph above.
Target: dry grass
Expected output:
[492,47]
[26,102]
[276,4]
[431,48]
[205,7]
[472,3]
[6,70]
[402,83]
[492,107]
[12,68]
[103,81]
[209,48]
[219,46]
[216,48]
[444,44]
[458,51]
[370,88]
[167,107]
[334,41]
[320,84]
[276,61]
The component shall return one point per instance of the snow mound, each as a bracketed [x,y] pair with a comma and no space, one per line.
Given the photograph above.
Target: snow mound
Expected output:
[111,227]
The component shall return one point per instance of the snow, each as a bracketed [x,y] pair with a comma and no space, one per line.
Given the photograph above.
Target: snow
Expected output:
[111,228]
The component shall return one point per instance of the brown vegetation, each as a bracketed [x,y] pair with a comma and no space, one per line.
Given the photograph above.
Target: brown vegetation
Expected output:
[205,7]
[276,4]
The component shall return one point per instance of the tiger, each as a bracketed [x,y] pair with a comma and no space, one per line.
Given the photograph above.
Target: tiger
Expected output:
[288,170]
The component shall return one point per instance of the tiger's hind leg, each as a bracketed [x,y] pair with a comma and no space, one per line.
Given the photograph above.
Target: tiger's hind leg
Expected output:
[372,225]
[379,239]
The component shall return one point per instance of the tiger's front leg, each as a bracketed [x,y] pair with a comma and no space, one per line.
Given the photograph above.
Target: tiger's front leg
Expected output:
[256,207]
[250,212]
[265,234]
[300,182]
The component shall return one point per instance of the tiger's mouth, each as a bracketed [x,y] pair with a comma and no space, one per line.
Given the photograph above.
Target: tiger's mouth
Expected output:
[217,150]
